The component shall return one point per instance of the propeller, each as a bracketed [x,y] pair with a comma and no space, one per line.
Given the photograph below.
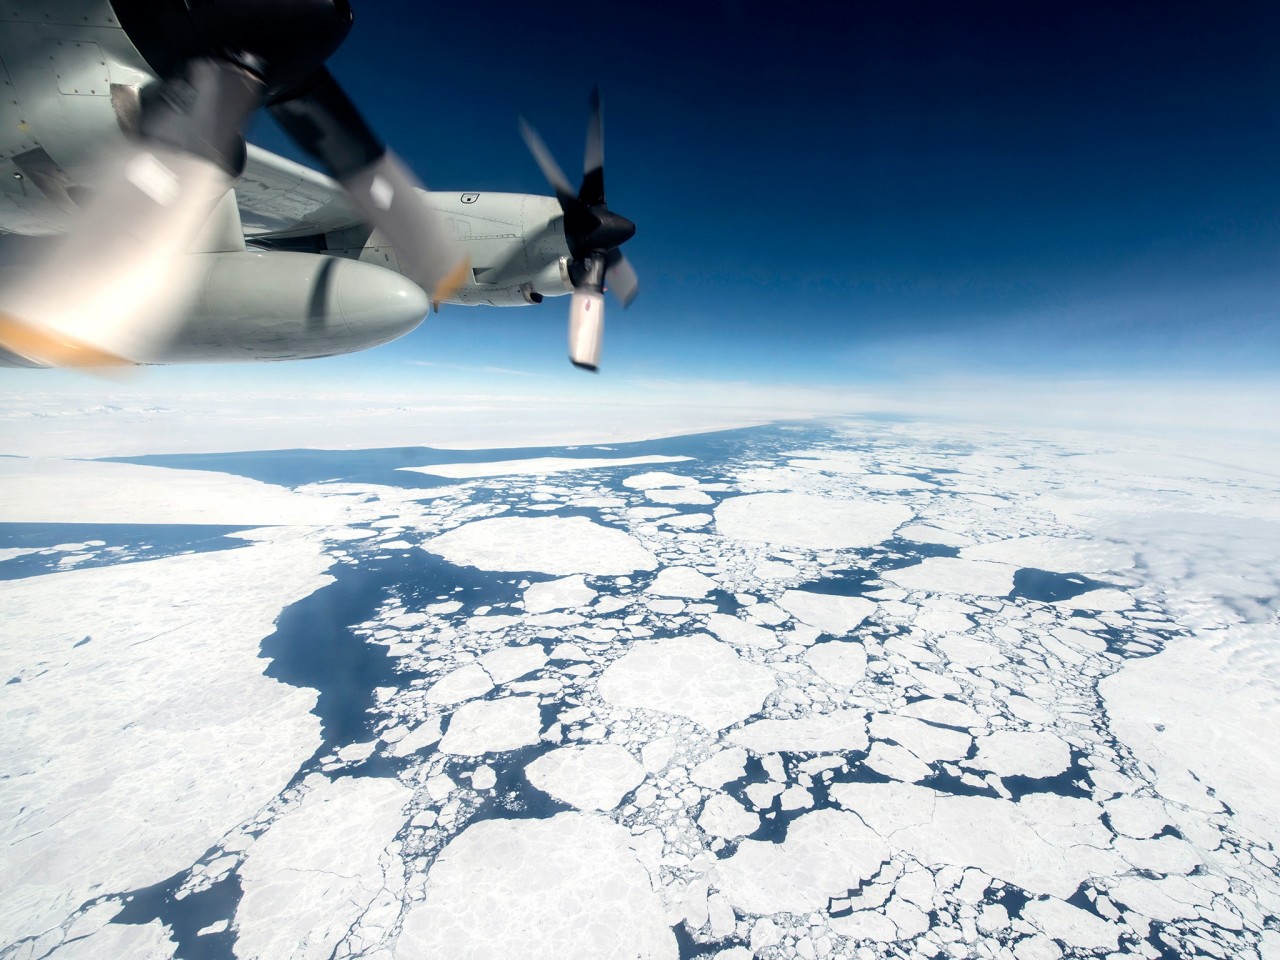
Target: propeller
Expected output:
[594,234]
[113,290]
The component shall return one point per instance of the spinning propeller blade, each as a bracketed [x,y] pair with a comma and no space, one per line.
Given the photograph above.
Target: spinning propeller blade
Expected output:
[112,291]
[594,234]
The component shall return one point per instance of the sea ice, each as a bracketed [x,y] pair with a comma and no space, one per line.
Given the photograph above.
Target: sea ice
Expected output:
[682,496]
[896,763]
[828,612]
[839,662]
[826,853]
[695,677]
[509,663]
[128,757]
[1057,554]
[318,867]
[1046,846]
[952,575]
[952,713]
[1192,710]
[1009,753]
[592,777]
[723,816]
[1071,925]
[491,726]
[465,683]
[1137,817]
[565,886]
[656,479]
[558,594]
[1104,599]
[534,466]
[840,730]
[719,768]
[681,582]
[147,941]
[803,520]
[86,491]
[928,742]
[739,632]
[556,545]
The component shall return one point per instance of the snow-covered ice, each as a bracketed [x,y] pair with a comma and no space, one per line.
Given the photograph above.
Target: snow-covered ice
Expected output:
[535,466]
[558,594]
[804,520]
[319,867]
[836,731]
[594,776]
[566,886]
[127,756]
[556,545]
[695,677]
[681,582]
[979,578]
[826,853]
[828,612]
[491,726]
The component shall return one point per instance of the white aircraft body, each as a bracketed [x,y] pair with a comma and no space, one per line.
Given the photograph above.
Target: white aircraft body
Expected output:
[146,232]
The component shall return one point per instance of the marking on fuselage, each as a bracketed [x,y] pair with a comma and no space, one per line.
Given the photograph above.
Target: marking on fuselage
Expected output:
[470,197]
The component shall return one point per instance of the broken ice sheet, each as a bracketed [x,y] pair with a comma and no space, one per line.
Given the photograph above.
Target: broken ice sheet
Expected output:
[1036,774]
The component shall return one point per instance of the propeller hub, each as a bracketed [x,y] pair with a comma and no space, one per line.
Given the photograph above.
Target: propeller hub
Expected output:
[612,230]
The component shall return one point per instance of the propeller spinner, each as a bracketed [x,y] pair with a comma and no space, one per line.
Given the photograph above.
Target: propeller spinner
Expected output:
[110,293]
[594,234]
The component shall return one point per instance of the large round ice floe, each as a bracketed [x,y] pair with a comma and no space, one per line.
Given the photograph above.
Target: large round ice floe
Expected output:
[556,545]
[803,520]
[594,776]
[567,886]
[695,677]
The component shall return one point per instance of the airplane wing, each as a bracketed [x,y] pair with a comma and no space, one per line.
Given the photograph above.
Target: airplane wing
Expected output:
[279,199]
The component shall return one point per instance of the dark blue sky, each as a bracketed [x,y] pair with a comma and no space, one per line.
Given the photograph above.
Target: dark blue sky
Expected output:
[830,193]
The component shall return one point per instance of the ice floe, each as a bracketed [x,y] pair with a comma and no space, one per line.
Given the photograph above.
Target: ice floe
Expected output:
[980,578]
[1045,844]
[739,632]
[465,683]
[558,594]
[127,757]
[825,854]
[695,677]
[535,466]
[556,545]
[80,491]
[723,816]
[569,885]
[804,520]
[591,777]
[681,582]
[492,726]
[1008,753]
[822,733]
[839,662]
[828,612]
[656,480]
[319,867]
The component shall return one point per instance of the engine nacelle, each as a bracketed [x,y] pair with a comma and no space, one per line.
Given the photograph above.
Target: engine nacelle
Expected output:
[273,305]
